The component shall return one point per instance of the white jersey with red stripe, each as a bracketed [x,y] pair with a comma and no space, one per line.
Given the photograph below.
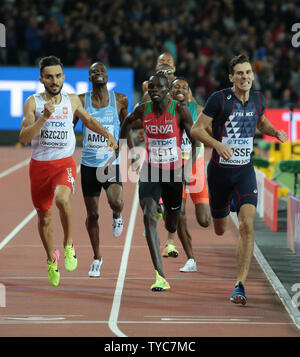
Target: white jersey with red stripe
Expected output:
[56,139]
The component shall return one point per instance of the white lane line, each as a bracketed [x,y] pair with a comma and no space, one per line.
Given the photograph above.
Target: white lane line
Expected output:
[12,234]
[14,168]
[113,318]
[98,322]
[21,225]
[280,290]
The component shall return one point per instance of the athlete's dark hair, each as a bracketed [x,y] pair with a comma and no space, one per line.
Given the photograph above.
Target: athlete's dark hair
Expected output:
[49,61]
[242,58]
[162,76]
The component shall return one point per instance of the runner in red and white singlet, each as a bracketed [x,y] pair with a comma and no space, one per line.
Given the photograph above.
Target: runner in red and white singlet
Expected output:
[48,125]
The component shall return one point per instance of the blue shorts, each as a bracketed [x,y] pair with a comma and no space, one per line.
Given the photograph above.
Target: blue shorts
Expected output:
[230,188]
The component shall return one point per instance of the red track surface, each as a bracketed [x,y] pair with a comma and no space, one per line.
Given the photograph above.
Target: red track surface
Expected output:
[197,305]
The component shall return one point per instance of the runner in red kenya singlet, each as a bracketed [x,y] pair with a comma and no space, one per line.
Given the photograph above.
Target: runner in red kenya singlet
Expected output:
[163,121]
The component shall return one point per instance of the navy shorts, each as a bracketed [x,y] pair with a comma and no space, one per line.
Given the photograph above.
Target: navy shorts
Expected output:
[92,181]
[230,188]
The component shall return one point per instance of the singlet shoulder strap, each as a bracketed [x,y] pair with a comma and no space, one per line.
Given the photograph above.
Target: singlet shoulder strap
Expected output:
[147,109]
[112,99]
[257,101]
[87,99]
[172,107]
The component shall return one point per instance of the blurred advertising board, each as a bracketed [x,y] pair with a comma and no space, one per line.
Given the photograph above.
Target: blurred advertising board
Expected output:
[18,83]
[270,204]
[286,120]
[293,224]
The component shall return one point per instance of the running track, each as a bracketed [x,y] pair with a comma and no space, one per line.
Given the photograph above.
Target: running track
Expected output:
[120,303]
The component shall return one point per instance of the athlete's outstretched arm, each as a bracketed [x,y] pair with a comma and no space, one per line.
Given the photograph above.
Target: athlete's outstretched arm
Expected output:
[265,127]
[201,131]
[91,122]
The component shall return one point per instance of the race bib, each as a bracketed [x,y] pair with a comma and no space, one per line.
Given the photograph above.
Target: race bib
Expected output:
[186,145]
[242,150]
[96,141]
[162,151]
[54,133]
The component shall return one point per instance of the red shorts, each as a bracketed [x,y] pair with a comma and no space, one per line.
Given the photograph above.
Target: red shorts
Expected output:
[45,176]
[198,189]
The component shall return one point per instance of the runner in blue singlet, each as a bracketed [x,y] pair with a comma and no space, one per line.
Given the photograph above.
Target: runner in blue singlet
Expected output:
[109,108]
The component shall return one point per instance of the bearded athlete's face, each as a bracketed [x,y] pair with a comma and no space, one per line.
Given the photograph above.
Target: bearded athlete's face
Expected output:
[158,88]
[53,79]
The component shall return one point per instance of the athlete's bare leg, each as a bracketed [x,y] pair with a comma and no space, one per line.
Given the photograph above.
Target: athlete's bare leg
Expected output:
[62,200]
[245,244]
[220,225]
[114,195]
[45,231]
[202,212]
[183,233]
[149,207]
[92,224]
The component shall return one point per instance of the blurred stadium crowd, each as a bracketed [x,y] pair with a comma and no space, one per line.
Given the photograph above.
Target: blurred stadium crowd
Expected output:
[201,36]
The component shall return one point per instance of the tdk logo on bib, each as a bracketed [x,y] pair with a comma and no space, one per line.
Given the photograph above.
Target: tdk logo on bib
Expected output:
[238,141]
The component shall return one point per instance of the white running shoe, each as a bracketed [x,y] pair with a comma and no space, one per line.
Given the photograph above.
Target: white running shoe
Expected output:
[95,268]
[117,226]
[189,266]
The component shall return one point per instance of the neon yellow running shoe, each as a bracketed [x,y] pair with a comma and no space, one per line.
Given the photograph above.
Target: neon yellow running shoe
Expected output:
[159,216]
[53,273]
[70,258]
[161,283]
[170,251]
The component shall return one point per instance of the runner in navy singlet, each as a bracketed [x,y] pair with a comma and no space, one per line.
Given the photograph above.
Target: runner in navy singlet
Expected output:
[233,114]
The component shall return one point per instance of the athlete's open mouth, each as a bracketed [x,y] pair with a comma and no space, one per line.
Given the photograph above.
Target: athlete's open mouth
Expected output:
[180,96]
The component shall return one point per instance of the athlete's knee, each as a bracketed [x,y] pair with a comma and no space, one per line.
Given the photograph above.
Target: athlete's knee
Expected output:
[149,208]
[171,222]
[92,217]
[61,201]
[182,220]
[116,205]
[44,219]
[246,225]
[220,227]
[204,220]
[219,231]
